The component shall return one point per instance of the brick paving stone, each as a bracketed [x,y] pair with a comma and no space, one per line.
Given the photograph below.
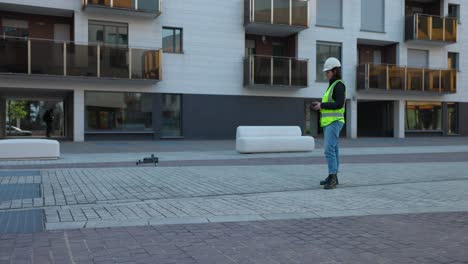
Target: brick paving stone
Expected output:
[408,238]
[124,196]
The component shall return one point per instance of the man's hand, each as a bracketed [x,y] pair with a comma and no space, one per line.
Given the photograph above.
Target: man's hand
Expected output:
[316,106]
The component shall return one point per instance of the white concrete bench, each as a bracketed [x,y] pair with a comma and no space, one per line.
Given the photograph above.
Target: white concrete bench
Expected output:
[264,139]
[29,149]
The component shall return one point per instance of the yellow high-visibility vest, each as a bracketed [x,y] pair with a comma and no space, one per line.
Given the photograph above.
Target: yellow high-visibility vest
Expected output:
[329,116]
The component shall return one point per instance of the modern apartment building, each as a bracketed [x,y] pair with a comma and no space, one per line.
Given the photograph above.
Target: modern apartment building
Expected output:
[158,69]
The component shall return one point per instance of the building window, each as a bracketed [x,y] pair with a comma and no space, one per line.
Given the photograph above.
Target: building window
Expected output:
[31,118]
[250,47]
[453,61]
[15,28]
[108,33]
[172,40]
[326,50]
[171,115]
[118,111]
[424,116]
[373,15]
[454,11]
[330,13]
[149,5]
[418,58]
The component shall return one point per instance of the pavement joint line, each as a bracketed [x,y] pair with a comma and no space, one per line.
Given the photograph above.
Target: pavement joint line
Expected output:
[151,222]
[246,194]
[264,156]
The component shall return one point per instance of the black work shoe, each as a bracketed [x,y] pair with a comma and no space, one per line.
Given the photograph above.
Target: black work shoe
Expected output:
[324,182]
[332,182]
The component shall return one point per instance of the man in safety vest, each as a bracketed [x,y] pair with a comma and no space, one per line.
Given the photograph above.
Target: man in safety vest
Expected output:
[332,118]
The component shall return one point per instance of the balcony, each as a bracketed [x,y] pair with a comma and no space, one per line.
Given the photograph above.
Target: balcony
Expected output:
[266,71]
[427,29]
[52,59]
[392,78]
[276,17]
[142,8]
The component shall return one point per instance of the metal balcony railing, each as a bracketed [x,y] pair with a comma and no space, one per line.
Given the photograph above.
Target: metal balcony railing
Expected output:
[150,6]
[277,12]
[69,59]
[422,27]
[385,77]
[275,71]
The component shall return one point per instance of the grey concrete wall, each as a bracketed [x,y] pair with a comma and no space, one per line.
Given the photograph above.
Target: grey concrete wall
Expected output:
[463,119]
[157,116]
[119,137]
[2,117]
[217,117]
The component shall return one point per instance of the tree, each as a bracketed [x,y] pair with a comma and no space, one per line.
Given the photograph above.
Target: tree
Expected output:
[17,110]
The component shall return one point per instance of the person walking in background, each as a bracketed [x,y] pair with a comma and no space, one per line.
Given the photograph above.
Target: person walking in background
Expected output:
[48,119]
[332,110]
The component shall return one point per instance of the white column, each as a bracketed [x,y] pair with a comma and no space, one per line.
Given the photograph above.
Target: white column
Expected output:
[399,119]
[78,115]
[351,118]
[81,28]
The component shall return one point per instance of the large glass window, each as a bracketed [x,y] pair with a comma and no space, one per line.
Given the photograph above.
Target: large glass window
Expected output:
[373,15]
[118,111]
[453,61]
[171,115]
[25,118]
[148,5]
[326,50]
[15,28]
[454,11]
[172,40]
[329,13]
[423,116]
[108,33]
[250,47]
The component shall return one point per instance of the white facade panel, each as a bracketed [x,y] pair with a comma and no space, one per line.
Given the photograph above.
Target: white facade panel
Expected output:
[214,47]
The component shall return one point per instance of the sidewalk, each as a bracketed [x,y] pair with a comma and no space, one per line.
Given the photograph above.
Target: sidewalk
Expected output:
[221,153]
[395,204]
[223,145]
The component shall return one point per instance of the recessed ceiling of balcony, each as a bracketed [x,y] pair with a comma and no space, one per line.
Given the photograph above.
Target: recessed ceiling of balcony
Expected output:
[375,42]
[272,30]
[37,10]
[38,94]
[423,1]
[434,43]
[96,9]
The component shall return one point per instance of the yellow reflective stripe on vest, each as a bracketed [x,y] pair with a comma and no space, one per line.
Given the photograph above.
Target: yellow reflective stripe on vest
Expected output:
[332,115]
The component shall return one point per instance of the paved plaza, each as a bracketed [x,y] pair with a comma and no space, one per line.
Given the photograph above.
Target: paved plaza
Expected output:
[399,201]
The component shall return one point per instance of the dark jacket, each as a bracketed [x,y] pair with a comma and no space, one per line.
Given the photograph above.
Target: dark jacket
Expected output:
[339,96]
[48,116]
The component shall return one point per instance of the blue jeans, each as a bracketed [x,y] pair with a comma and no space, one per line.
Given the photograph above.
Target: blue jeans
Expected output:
[332,135]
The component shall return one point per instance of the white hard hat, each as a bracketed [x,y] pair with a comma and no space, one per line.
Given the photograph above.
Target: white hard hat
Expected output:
[331,63]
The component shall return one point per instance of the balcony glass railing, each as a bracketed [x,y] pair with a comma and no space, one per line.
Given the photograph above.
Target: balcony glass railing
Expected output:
[153,6]
[14,55]
[278,12]
[431,28]
[47,57]
[397,78]
[57,58]
[275,71]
